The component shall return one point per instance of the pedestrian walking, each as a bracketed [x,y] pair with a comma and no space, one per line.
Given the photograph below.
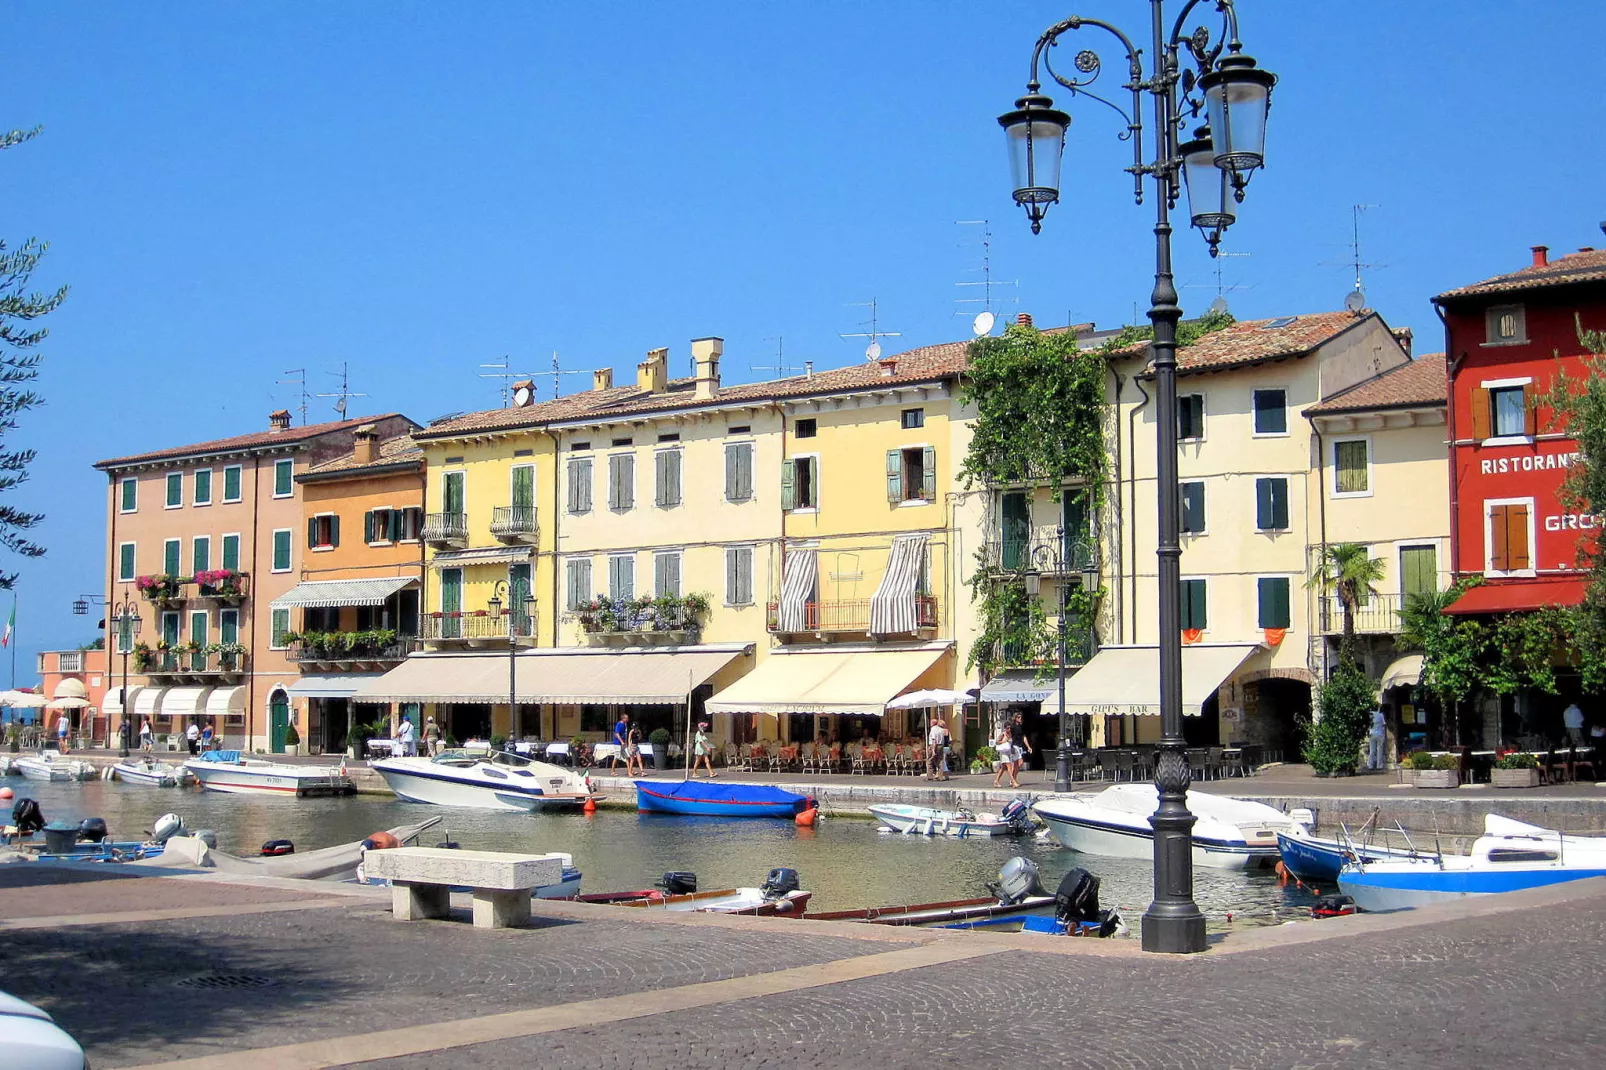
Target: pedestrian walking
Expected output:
[432,737]
[192,736]
[635,765]
[207,733]
[217,735]
[63,727]
[1572,719]
[621,739]
[1022,745]
[937,749]
[702,750]
[404,737]
[1006,756]
[1374,741]
[145,737]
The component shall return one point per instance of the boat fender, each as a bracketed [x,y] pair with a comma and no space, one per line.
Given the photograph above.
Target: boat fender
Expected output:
[806,818]
[108,773]
[6,793]
[279,847]
[382,841]
[589,806]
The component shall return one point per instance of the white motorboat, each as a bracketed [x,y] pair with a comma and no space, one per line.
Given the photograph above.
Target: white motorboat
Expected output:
[229,771]
[338,863]
[1227,834]
[924,821]
[56,769]
[494,781]
[151,773]
[1510,856]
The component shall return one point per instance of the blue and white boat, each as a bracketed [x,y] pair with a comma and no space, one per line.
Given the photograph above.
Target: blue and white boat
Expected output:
[494,781]
[1317,858]
[1509,857]
[717,800]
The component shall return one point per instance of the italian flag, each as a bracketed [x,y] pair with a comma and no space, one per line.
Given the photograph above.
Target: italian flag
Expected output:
[11,622]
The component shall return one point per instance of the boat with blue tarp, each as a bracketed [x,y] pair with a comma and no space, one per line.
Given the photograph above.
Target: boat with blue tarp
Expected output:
[718,800]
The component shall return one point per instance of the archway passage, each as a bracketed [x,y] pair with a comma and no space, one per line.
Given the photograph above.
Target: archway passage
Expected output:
[1274,709]
[278,720]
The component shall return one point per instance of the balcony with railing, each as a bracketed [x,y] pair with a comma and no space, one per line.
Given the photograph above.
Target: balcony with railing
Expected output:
[513,523]
[475,627]
[1380,615]
[225,586]
[1078,652]
[1046,551]
[445,529]
[667,620]
[176,666]
[849,615]
[348,650]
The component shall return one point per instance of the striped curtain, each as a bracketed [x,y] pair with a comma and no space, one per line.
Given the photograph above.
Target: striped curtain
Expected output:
[798,582]
[892,607]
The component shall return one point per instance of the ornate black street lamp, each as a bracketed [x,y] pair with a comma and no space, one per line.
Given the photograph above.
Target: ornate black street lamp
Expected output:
[1215,166]
[125,615]
[516,616]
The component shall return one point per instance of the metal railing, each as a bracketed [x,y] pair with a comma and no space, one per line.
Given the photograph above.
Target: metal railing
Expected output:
[474,624]
[226,593]
[1380,615]
[513,520]
[1044,550]
[187,663]
[850,615]
[336,651]
[1078,651]
[445,527]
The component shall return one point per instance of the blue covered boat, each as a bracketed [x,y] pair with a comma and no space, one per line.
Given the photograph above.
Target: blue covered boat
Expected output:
[717,800]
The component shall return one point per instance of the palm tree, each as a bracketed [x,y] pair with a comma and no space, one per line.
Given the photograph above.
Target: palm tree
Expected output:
[1348,570]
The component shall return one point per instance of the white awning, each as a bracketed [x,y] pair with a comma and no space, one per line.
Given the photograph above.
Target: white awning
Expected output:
[1019,685]
[225,702]
[335,685]
[646,677]
[113,702]
[184,701]
[845,682]
[365,592]
[147,700]
[1403,672]
[1124,681]
[487,556]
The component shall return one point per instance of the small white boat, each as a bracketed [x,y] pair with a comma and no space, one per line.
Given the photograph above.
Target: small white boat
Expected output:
[494,781]
[1227,833]
[1510,856]
[151,773]
[55,769]
[228,771]
[924,821]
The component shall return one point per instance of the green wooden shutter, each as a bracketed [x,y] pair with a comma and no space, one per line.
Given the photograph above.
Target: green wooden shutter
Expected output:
[170,557]
[730,473]
[523,487]
[125,562]
[674,477]
[1419,571]
[788,485]
[231,484]
[334,530]
[130,492]
[231,552]
[395,518]
[1263,505]
[731,580]
[1015,529]
[814,483]
[894,476]
[368,527]
[928,473]
[312,531]
[201,553]
[1279,504]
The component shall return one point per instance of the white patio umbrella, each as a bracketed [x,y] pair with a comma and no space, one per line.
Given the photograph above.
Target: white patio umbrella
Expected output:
[937,696]
[22,700]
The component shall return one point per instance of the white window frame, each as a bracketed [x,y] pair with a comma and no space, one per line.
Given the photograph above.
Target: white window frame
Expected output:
[325,547]
[1204,499]
[221,615]
[752,558]
[239,547]
[120,484]
[167,479]
[273,539]
[591,576]
[630,557]
[1505,384]
[903,476]
[225,499]
[805,510]
[680,570]
[1206,581]
[273,631]
[1204,414]
[133,562]
[387,510]
[1253,409]
[1371,469]
[1488,540]
[211,486]
[292,491]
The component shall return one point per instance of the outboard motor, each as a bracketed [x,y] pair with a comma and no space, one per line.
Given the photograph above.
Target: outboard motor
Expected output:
[27,816]
[780,883]
[273,848]
[679,882]
[1333,906]
[1076,906]
[1017,814]
[1017,880]
[92,829]
[167,826]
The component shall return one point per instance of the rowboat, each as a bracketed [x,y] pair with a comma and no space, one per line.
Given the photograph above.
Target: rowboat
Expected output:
[779,896]
[1016,896]
[717,800]
[228,771]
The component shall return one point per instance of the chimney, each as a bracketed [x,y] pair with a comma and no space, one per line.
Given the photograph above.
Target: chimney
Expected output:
[1023,319]
[1405,337]
[1541,255]
[524,392]
[280,420]
[706,352]
[365,445]
[652,374]
[889,367]
[808,369]
[602,379]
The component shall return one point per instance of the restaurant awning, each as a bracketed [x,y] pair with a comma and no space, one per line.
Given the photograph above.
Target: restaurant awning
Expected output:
[225,702]
[860,681]
[365,592]
[184,701]
[1124,681]
[1499,596]
[487,556]
[1019,685]
[335,685]
[113,702]
[1403,672]
[147,700]
[570,677]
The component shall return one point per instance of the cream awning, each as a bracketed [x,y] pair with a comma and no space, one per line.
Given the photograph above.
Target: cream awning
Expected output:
[487,556]
[183,701]
[571,677]
[857,682]
[1403,672]
[365,592]
[1020,685]
[225,702]
[147,700]
[1124,681]
[113,702]
[334,685]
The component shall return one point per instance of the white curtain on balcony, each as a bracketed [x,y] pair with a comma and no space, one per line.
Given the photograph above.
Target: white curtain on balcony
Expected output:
[892,607]
[798,583]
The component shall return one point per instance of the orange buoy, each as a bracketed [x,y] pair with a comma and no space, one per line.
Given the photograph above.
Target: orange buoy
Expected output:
[806,817]
[383,841]
[589,806]
[5,793]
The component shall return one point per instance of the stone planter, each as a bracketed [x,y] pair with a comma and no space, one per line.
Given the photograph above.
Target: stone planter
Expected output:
[1514,778]
[1435,778]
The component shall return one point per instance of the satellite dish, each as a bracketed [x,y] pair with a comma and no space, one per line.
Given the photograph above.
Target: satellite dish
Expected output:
[1355,300]
[982,324]
[523,395]
[872,351]
[1219,305]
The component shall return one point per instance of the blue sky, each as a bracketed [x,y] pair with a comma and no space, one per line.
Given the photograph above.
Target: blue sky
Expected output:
[233,190]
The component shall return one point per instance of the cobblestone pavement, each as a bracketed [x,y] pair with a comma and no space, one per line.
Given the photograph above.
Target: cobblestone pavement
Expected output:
[1502,991]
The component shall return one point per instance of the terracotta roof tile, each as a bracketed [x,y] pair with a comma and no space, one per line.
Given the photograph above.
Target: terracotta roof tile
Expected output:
[1257,341]
[399,450]
[1416,384]
[1583,266]
[255,440]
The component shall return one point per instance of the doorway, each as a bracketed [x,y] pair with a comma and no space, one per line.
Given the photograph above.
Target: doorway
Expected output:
[278,720]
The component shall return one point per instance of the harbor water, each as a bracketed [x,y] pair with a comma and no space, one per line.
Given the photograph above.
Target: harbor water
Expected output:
[845,861]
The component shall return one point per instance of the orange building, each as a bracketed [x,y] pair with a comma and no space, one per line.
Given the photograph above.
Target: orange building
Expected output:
[204,537]
[76,683]
[354,611]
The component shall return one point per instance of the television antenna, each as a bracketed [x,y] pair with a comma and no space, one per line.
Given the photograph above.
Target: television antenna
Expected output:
[780,367]
[557,373]
[875,334]
[300,383]
[1355,300]
[1219,305]
[503,370]
[986,282]
[344,394]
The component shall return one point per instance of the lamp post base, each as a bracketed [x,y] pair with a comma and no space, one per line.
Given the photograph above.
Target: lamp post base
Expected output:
[1168,932]
[1062,768]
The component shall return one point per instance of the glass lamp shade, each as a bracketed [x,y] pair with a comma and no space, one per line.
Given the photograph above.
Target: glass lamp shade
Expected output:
[1237,99]
[1210,197]
[1035,136]
[494,605]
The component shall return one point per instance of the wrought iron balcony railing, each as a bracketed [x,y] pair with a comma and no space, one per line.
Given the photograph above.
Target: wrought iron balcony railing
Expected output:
[474,625]
[335,649]
[446,529]
[1379,616]
[849,615]
[1046,551]
[513,521]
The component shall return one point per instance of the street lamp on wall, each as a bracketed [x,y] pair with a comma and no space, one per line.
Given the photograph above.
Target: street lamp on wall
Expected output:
[1214,167]
[125,615]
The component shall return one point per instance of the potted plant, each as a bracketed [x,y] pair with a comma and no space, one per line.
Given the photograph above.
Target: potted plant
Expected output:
[1434,770]
[292,739]
[987,756]
[659,738]
[1515,770]
[498,742]
[143,657]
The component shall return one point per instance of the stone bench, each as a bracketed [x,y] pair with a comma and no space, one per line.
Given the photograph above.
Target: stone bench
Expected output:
[422,879]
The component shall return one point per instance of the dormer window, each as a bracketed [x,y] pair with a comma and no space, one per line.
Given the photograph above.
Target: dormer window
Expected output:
[1506,325]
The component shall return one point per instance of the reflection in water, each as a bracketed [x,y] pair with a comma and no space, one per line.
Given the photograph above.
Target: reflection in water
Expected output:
[845,862]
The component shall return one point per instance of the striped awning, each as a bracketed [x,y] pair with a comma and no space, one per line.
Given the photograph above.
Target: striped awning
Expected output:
[568,678]
[488,556]
[798,582]
[892,607]
[1019,685]
[365,592]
